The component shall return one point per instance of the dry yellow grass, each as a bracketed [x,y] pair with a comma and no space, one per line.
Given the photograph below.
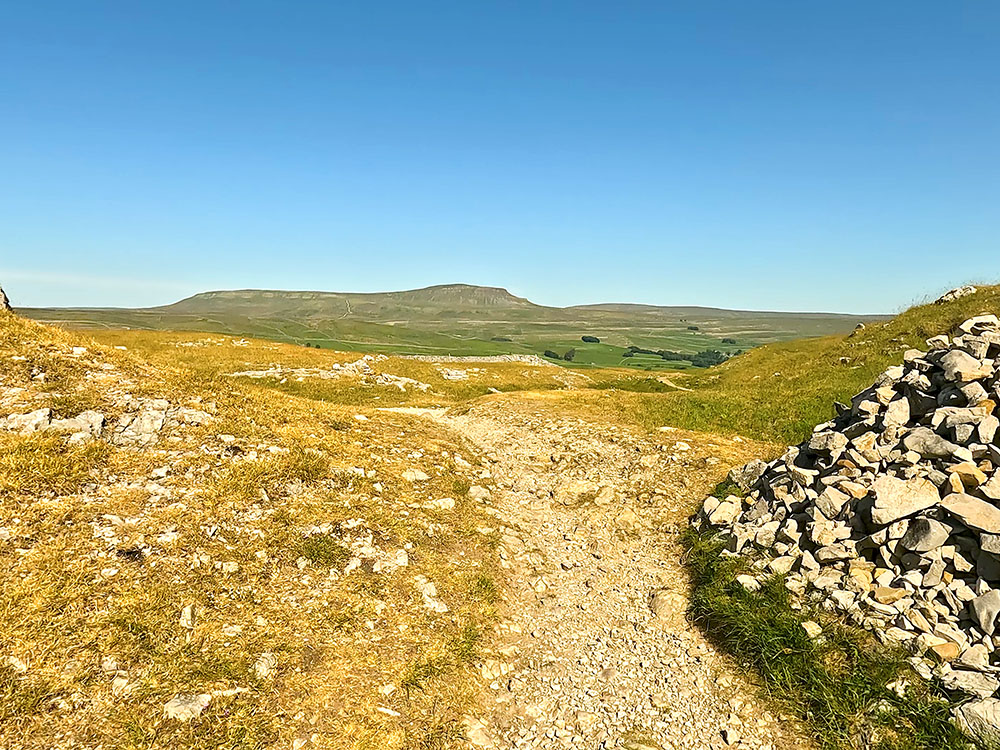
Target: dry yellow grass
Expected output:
[106,544]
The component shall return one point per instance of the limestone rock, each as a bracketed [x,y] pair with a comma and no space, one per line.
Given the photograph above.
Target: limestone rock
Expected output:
[953,294]
[924,535]
[985,609]
[186,706]
[963,367]
[973,512]
[890,512]
[981,719]
[667,605]
[746,476]
[897,498]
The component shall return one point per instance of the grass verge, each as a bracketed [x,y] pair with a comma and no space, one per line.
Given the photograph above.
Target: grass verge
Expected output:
[837,684]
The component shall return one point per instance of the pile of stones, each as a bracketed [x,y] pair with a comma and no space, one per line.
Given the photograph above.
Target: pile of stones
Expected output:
[889,514]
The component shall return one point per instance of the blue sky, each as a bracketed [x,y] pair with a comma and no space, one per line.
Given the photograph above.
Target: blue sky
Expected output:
[797,155]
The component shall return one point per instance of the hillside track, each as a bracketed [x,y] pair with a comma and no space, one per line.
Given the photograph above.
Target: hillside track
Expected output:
[595,649]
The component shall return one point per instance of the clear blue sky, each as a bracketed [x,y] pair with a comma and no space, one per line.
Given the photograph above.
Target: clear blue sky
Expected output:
[772,155]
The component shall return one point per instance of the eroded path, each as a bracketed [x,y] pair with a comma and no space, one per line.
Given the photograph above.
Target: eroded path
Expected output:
[595,650]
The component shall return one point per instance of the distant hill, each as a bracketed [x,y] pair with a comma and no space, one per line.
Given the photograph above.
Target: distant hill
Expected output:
[462,319]
[450,297]
[717,312]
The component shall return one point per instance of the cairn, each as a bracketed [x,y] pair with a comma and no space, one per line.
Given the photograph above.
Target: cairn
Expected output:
[890,513]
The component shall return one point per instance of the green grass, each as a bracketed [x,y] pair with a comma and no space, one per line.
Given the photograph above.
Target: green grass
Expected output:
[837,685]
[461,321]
[778,392]
[323,549]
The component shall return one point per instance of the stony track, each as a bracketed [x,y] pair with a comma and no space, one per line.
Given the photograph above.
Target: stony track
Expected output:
[594,650]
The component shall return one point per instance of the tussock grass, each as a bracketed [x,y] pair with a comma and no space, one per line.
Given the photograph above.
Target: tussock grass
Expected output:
[634,385]
[45,463]
[323,549]
[244,481]
[836,685]
[483,588]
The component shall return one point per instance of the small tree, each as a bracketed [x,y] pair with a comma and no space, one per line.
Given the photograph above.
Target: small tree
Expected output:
[590,339]
[568,356]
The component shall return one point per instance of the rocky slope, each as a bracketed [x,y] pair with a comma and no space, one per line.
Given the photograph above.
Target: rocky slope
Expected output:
[890,514]
[191,561]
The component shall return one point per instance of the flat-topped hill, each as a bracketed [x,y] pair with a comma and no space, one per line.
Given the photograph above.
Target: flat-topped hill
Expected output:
[375,305]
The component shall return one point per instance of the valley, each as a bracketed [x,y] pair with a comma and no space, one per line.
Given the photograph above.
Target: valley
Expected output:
[464,320]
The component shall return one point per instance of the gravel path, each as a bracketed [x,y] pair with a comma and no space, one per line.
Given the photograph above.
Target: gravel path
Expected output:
[595,650]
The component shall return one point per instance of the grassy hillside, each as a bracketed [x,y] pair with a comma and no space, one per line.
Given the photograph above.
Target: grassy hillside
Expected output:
[253,547]
[777,392]
[462,320]
[248,518]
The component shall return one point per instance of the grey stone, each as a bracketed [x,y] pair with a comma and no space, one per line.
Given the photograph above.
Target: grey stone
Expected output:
[666,605]
[87,422]
[954,294]
[988,429]
[747,475]
[897,413]
[962,367]
[980,323]
[929,444]
[990,543]
[482,495]
[980,718]
[724,514]
[186,706]
[924,535]
[974,393]
[831,502]
[835,552]
[973,683]
[985,609]
[992,487]
[828,442]
[30,422]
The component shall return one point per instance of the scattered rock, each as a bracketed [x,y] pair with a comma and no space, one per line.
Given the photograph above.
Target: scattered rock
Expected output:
[265,666]
[186,706]
[957,293]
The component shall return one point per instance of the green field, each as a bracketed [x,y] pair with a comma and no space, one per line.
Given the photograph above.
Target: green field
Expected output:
[463,320]
[779,391]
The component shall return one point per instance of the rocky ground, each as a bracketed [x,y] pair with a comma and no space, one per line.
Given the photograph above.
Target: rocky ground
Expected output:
[595,650]
[192,559]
